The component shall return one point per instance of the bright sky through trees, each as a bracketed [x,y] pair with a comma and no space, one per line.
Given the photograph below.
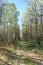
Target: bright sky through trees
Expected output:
[21,6]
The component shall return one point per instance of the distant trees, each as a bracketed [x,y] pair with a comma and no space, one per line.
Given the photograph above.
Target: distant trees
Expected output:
[33,19]
[10,24]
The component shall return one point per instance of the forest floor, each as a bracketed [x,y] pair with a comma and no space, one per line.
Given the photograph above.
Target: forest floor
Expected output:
[9,55]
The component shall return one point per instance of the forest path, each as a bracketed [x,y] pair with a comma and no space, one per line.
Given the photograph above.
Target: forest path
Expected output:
[32,56]
[10,57]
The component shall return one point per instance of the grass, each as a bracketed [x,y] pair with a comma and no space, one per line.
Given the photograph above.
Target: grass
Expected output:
[31,63]
[23,46]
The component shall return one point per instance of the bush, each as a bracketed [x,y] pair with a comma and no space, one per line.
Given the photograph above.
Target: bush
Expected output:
[41,42]
[31,43]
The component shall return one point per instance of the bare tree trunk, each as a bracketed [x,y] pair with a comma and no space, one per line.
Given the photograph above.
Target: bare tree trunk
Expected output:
[0,15]
[41,21]
[36,31]
[31,29]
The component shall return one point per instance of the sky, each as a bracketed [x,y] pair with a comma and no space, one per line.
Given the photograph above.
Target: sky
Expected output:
[21,7]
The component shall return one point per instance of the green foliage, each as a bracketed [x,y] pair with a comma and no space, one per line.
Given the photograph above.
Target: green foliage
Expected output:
[32,28]
[41,42]
[10,25]
[30,44]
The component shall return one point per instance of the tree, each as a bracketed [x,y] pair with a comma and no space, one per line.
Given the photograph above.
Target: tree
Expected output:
[41,16]
[25,30]
[9,18]
[1,3]
[33,15]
